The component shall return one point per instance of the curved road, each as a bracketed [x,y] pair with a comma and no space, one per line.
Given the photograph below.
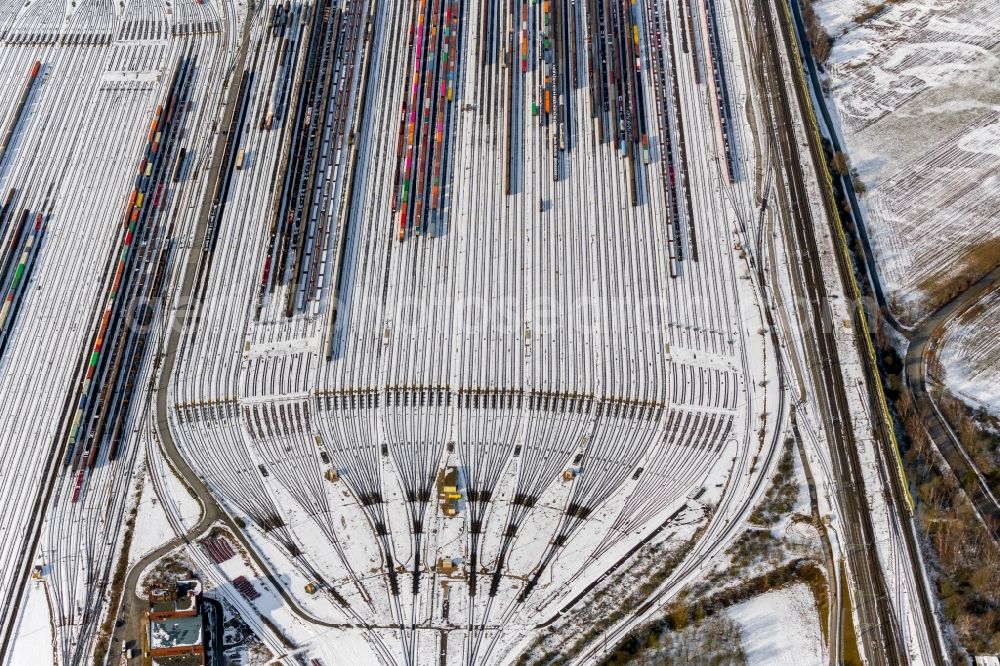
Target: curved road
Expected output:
[922,341]
[132,605]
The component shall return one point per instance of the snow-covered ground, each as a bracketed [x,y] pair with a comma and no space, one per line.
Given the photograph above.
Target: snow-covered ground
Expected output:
[796,526]
[969,354]
[780,628]
[152,529]
[33,638]
[917,93]
[186,508]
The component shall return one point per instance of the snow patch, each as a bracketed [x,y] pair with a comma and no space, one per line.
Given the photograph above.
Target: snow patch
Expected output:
[33,636]
[151,527]
[780,627]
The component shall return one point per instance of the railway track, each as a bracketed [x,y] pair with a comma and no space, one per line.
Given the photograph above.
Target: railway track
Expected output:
[211,510]
[885,644]
[19,109]
[96,558]
[505,211]
[862,555]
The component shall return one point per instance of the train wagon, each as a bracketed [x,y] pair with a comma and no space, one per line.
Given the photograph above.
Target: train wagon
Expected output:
[180,164]
[239,158]
[77,487]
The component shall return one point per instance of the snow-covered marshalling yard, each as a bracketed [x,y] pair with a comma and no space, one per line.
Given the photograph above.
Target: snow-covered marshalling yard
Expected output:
[443,309]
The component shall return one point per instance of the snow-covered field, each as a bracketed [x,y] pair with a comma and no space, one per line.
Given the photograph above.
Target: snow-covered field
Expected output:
[969,354]
[917,92]
[882,64]
[780,628]
[935,209]
[153,529]
[33,639]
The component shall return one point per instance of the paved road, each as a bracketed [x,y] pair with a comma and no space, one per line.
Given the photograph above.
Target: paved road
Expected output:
[922,341]
[132,605]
